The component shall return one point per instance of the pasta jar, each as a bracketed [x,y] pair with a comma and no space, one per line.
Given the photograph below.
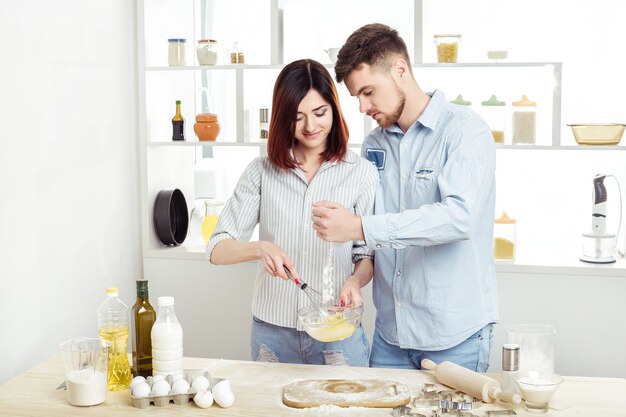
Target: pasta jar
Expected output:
[176,52]
[524,121]
[447,48]
[504,238]
[206,51]
[493,111]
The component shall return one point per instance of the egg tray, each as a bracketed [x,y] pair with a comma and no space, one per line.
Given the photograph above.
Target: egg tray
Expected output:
[178,399]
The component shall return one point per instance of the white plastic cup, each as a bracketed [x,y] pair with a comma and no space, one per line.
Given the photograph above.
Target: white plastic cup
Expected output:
[86,365]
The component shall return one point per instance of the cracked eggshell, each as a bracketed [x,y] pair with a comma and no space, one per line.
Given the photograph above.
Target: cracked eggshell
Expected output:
[200,383]
[180,386]
[223,395]
[203,399]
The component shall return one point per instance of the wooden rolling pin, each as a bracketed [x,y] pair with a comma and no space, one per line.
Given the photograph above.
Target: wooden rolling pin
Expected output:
[470,382]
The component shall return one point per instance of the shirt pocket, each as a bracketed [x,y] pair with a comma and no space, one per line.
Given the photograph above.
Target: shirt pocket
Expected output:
[423,188]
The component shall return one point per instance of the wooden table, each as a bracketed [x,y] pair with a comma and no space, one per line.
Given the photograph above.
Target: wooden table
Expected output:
[258,387]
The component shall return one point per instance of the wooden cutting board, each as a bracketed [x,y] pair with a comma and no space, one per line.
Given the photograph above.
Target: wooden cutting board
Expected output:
[346,393]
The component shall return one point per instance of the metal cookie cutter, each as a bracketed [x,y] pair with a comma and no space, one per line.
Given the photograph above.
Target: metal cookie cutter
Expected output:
[494,413]
[403,410]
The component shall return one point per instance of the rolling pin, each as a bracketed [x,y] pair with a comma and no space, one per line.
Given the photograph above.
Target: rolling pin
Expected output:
[470,382]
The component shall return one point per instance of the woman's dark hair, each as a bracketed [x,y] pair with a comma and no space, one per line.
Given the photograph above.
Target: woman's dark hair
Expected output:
[293,83]
[373,45]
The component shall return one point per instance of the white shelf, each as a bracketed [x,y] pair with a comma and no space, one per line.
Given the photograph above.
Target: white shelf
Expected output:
[203,143]
[548,266]
[563,148]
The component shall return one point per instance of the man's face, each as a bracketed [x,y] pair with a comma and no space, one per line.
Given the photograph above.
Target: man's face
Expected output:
[378,94]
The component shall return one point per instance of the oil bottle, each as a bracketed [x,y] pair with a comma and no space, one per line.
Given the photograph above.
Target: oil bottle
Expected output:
[143,317]
[178,124]
[113,326]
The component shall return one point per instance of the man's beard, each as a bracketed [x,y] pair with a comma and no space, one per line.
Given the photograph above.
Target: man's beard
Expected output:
[388,121]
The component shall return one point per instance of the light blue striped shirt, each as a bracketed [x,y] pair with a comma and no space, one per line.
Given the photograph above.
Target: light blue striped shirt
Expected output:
[432,228]
[281,203]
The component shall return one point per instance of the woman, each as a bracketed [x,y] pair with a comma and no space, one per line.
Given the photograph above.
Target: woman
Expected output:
[307,161]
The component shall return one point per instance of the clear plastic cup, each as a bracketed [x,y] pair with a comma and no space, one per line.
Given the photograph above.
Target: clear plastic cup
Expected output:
[86,365]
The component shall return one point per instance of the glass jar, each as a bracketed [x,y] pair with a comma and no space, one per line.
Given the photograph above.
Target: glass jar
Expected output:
[524,121]
[493,111]
[210,210]
[206,126]
[447,48]
[460,101]
[236,55]
[206,51]
[504,238]
[176,52]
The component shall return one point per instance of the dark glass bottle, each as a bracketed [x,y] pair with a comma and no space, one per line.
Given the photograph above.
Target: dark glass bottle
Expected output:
[143,317]
[178,124]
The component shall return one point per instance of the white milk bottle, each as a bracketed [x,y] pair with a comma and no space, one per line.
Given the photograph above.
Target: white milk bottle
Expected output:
[167,341]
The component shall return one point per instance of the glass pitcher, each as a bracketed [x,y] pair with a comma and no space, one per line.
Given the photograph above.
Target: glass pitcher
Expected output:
[210,215]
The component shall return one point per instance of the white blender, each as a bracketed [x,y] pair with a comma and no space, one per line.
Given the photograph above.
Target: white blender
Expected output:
[598,244]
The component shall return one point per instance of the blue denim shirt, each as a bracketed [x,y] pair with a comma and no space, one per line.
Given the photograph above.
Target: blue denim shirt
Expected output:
[432,228]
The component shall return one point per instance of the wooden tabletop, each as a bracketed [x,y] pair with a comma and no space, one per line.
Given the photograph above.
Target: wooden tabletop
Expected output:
[258,388]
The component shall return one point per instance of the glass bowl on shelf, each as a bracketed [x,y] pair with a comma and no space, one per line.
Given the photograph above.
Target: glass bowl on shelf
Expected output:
[598,133]
[332,323]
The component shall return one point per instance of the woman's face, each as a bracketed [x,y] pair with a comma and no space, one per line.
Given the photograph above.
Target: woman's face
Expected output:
[313,122]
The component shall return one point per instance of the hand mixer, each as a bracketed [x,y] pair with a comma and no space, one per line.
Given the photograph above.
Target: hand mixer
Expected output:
[598,244]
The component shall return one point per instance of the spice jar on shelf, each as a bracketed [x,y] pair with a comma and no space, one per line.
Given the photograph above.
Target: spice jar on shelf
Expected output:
[236,55]
[447,48]
[206,51]
[504,231]
[493,111]
[524,121]
[206,126]
[176,52]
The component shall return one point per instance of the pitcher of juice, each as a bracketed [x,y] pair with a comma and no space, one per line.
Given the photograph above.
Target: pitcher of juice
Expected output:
[211,212]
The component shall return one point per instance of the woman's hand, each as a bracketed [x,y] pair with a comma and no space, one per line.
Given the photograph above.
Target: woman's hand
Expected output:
[274,260]
[351,292]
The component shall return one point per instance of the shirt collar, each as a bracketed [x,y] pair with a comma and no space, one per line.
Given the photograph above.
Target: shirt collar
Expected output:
[430,116]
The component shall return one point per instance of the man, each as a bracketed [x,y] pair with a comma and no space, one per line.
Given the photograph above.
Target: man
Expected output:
[434,281]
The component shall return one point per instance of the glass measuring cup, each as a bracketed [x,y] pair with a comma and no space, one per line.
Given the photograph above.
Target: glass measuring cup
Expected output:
[86,364]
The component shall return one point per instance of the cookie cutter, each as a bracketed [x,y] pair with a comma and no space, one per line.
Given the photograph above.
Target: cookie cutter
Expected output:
[494,413]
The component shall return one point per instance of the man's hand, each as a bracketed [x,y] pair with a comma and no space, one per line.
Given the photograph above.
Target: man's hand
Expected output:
[335,223]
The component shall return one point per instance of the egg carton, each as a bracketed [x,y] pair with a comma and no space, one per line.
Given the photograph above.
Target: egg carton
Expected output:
[178,399]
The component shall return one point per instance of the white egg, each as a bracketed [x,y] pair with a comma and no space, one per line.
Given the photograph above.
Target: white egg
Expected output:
[222,394]
[141,389]
[203,399]
[135,381]
[200,383]
[180,386]
[160,388]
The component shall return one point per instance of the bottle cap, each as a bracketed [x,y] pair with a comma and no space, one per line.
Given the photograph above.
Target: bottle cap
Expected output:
[112,292]
[264,115]
[142,284]
[166,301]
[177,101]
[459,100]
[524,102]
[493,101]
[505,219]
[510,357]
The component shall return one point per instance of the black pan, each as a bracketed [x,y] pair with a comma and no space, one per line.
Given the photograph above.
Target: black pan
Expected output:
[170,217]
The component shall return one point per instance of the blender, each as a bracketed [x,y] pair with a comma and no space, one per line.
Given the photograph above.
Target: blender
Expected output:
[598,244]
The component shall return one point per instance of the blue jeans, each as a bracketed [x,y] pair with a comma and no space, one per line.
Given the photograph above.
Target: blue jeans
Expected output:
[271,343]
[472,353]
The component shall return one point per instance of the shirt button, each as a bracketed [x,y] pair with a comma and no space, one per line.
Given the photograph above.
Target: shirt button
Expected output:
[398,273]
[378,245]
[398,304]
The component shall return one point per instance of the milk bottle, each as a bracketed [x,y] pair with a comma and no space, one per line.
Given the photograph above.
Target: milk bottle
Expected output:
[167,341]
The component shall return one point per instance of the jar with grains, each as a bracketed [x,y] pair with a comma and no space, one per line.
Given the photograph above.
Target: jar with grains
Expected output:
[524,121]
[447,48]
[493,111]
[206,51]
[504,238]
[176,52]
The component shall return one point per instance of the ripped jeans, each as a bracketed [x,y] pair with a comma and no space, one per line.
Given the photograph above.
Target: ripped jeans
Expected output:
[272,343]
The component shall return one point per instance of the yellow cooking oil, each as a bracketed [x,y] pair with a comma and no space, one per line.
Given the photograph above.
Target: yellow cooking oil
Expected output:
[332,332]
[119,374]
[208,226]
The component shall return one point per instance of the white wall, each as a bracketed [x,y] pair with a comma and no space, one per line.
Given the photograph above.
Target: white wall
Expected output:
[69,217]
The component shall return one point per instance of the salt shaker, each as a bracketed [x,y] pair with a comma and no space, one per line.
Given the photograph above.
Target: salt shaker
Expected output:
[510,366]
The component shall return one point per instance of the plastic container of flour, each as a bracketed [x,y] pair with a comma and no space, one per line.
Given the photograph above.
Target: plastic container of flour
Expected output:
[177,399]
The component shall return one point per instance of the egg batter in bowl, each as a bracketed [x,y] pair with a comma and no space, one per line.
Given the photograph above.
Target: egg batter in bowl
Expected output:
[337,324]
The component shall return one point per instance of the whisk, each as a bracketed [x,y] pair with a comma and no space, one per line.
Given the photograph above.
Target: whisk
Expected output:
[313,294]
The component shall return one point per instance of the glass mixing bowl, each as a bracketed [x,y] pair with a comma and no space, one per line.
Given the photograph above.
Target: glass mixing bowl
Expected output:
[337,323]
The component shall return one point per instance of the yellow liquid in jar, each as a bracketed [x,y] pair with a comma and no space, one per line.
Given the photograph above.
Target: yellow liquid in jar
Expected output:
[119,375]
[208,226]
[503,248]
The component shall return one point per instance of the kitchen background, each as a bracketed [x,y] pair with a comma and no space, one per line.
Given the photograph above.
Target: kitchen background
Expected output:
[77,175]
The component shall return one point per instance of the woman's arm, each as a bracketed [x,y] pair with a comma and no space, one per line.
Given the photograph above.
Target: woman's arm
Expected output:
[361,276]
[231,251]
